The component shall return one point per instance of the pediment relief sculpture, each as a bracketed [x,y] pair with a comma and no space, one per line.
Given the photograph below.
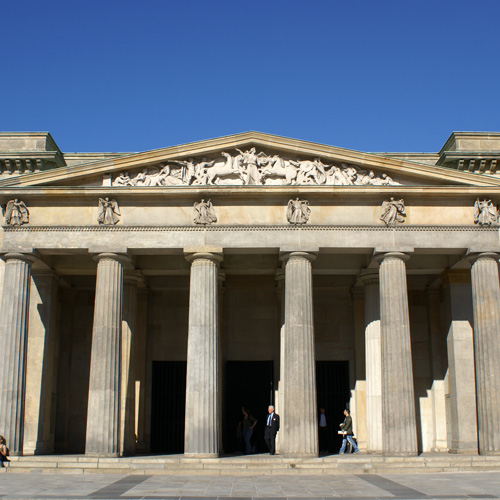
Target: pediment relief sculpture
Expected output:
[252,168]
[16,213]
[109,212]
[393,212]
[485,213]
[298,211]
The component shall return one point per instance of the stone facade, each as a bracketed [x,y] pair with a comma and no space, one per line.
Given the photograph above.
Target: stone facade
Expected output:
[146,297]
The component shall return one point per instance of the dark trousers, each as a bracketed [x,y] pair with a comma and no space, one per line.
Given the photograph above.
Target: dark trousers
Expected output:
[270,439]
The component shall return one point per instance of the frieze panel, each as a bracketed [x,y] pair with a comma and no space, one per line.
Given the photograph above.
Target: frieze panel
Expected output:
[252,168]
[485,213]
[16,213]
[109,212]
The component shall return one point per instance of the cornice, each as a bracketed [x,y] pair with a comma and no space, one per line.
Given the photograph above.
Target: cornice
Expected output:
[168,193]
[393,166]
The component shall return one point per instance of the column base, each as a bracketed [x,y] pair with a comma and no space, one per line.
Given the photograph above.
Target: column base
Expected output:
[463,451]
[102,455]
[400,454]
[299,455]
[201,455]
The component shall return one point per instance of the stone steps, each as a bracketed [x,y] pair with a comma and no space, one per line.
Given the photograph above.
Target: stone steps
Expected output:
[252,465]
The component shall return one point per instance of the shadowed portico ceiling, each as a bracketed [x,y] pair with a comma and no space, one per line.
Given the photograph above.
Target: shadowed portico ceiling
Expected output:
[404,171]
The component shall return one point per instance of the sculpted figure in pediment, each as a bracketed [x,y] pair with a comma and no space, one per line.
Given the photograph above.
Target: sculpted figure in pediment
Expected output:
[393,211]
[16,213]
[310,172]
[141,179]
[165,177]
[230,167]
[251,161]
[123,180]
[279,168]
[485,213]
[190,169]
[336,177]
[253,168]
[109,212]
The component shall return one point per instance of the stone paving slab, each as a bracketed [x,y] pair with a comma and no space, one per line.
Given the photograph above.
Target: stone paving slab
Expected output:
[419,486]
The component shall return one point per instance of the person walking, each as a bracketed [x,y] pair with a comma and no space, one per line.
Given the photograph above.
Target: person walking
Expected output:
[271,429]
[347,433]
[4,452]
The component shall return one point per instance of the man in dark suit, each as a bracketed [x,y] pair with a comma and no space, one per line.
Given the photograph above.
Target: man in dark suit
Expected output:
[271,429]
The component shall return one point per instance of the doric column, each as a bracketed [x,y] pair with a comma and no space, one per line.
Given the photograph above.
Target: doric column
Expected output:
[462,433]
[299,413]
[103,414]
[41,366]
[357,401]
[65,353]
[437,347]
[129,321]
[13,341]
[486,308]
[399,430]
[370,278]
[202,399]
[280,290]
[140,369]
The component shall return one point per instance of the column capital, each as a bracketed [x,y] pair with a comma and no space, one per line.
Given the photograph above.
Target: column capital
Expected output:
[216,258]
[391,255]
[213,254]
[473,256]
[368,276]
[123,259]
[305,254]
[29,258]
[133,278]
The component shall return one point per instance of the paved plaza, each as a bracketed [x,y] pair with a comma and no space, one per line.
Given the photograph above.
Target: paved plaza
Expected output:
[365,486]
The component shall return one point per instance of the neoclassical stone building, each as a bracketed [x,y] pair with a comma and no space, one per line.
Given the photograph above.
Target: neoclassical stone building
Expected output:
[146,297]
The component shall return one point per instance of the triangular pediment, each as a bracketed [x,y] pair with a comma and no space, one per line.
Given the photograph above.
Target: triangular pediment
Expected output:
[251,158]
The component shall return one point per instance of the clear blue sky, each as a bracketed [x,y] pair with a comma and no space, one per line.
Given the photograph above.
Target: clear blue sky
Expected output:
[371,75]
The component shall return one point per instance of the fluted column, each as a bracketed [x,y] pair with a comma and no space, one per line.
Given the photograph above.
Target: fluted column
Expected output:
[127,404]
[103,413]
[399,430]
[299,413]
[461,432]
[202,402]
[486,310]
[370,278]
[13,343]
[279,401]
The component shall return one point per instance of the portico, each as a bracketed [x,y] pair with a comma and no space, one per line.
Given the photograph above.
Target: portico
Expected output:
[119,337]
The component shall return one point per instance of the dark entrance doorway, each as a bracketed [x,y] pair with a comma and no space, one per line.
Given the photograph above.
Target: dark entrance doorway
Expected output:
[168,406]
[250,384]
[333,393]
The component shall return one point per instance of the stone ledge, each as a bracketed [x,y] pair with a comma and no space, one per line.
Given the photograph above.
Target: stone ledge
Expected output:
[234,228]
[254,465]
